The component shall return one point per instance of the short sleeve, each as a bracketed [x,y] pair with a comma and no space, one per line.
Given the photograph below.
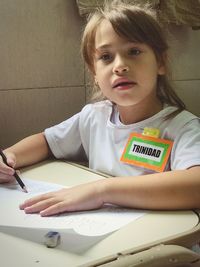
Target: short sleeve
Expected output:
[186,148]
[64,139]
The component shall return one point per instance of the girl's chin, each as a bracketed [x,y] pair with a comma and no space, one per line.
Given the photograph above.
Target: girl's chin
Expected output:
[126,103]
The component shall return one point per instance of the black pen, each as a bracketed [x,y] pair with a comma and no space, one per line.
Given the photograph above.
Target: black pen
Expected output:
[18,179]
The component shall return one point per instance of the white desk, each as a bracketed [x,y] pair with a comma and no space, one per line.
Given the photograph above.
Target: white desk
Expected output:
[152,229]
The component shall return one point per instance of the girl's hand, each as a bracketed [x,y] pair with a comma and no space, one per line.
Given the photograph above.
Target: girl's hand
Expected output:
[82,197]
[6,172]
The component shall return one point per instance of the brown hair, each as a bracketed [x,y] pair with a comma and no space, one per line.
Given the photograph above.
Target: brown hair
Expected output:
[138,24]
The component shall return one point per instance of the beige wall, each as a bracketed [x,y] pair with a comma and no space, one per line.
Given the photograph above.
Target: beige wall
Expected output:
[185,61]
[41,72]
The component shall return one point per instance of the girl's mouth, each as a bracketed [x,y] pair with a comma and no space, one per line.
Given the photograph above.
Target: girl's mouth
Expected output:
[123,84]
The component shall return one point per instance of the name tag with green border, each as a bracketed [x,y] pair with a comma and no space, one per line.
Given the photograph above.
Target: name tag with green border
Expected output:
[146,151]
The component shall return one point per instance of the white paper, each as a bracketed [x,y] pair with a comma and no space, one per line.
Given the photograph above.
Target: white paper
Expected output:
[87,223]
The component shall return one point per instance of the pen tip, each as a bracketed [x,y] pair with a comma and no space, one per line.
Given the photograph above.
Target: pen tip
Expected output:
[25,190]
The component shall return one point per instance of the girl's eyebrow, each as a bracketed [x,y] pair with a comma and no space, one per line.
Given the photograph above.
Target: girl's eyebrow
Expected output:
[107,46]
[103,47]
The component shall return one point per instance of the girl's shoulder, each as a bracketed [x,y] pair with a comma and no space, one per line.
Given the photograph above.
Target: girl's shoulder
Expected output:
[183,122]
[105,105]
[183,118]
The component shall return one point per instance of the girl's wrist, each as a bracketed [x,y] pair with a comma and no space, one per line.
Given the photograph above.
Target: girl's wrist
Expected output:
[104,187]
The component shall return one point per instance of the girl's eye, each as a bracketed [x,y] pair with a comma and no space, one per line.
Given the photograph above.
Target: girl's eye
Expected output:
[135,52]
[105,57]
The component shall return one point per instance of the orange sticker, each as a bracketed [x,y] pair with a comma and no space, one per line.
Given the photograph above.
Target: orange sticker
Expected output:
[146,151]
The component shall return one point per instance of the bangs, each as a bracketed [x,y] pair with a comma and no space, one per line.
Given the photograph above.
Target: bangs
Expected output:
[135,25]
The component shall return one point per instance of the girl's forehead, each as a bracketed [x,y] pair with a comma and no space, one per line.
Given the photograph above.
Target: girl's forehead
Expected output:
[104,27]
[106,35]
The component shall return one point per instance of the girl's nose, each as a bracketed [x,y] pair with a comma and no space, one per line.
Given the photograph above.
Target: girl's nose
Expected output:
[121,70]
[120,67]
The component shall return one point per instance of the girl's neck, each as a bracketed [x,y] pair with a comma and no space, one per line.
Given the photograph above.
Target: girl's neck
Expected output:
[139,112]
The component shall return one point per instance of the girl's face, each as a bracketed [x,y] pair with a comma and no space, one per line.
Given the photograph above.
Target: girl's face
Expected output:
[125,71]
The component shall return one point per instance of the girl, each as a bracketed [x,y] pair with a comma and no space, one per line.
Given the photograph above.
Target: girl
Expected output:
[139,132]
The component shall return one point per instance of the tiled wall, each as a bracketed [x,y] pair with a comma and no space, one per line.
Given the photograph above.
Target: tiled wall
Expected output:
[41,72]
[185,62]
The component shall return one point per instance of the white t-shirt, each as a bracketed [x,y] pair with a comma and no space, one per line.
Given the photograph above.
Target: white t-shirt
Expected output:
[95,133]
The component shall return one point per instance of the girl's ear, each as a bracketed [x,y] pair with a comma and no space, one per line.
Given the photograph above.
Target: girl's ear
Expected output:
[161,70]
[95,80]
[162,64]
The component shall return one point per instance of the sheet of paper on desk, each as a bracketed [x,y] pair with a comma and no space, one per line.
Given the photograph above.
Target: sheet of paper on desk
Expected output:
[88,224]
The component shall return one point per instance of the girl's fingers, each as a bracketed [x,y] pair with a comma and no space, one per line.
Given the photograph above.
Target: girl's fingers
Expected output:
[4,169]
[47,204]
[6,178]
[64,200]
[39,206]
[54,209]
[10,159]
[34,200]
[11,162]
[6,172]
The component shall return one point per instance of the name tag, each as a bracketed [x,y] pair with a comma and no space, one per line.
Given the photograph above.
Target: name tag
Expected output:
[147,151]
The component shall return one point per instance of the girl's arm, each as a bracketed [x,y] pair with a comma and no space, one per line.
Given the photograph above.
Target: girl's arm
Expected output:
[26,152]
[165,191]
[168,190]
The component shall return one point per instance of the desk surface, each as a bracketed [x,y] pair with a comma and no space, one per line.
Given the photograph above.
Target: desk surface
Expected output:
[134,237]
